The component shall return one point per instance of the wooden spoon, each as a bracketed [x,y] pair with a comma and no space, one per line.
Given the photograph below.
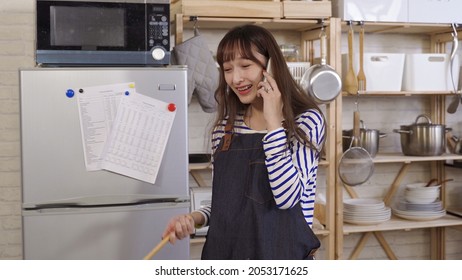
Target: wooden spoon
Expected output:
[361,74]
[434,182]
[444,181]
[431,182]
[356,129]
[156,249]
[351,83]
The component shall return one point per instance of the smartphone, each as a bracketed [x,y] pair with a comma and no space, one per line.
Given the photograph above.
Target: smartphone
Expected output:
[268,68]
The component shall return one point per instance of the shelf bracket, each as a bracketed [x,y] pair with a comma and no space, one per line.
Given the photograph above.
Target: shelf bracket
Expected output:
[396,182]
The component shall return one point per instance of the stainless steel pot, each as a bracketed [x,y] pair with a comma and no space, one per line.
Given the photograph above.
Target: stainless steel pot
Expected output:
[423,139]
[369,139]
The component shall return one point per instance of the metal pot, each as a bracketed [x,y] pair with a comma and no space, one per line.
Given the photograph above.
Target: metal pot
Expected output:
[321,81]
[369,139]
[423,139]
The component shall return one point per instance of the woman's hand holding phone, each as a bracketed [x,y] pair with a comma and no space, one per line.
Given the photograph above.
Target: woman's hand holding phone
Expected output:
[272,102]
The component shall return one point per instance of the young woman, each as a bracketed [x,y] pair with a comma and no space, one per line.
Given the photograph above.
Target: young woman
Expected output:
[266,143]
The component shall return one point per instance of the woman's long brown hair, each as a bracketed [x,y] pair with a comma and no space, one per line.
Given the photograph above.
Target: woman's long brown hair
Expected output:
[243,40]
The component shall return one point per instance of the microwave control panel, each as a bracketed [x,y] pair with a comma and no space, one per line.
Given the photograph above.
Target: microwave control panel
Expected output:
[159,26]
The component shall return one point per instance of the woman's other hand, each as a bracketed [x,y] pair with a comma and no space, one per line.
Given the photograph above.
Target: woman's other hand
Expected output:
[179,227]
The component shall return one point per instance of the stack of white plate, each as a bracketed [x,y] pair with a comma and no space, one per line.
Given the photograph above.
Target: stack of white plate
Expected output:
[365,211]
[420,203]
[408,206]
[419,215]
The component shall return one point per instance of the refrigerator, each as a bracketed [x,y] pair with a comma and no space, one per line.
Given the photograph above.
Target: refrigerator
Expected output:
[72,212]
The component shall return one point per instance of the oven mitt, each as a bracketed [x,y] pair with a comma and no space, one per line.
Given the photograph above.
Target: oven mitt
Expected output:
[202,70]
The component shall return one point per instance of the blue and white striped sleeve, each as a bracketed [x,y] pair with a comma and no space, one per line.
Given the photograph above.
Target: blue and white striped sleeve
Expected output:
[292,169]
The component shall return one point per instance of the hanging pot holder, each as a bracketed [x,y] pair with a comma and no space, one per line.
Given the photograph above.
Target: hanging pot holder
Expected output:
[203,72]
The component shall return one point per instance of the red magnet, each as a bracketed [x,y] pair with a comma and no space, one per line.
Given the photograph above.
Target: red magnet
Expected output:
[171,107]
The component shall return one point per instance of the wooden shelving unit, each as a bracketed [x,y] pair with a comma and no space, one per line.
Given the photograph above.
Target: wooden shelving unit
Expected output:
[439,34]
[284,15]
[304,17]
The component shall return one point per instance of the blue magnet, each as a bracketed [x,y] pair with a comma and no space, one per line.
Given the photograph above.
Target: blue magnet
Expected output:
[127,93]
[70,93]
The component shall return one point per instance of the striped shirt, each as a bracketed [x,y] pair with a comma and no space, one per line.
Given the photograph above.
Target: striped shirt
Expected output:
[292,167]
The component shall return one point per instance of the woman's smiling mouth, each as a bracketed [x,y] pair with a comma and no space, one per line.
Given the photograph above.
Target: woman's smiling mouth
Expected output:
[244,89]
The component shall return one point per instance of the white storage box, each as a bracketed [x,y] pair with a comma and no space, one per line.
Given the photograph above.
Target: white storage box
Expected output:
[435,11]
[371,10]
[384,71]
[297,69]
[429,72]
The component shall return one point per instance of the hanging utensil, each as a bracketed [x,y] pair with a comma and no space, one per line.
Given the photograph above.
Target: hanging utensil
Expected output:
[321,81]
[156,249]
[452,108]
[356,127]
[351,83]
[361,74]
[356,165]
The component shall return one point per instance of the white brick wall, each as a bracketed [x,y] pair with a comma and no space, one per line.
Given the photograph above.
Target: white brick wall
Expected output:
[16,50]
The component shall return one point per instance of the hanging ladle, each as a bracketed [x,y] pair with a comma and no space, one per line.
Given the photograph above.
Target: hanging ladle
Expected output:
[452,108]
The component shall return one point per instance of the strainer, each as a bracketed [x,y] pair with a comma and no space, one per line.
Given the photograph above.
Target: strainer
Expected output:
[356,165]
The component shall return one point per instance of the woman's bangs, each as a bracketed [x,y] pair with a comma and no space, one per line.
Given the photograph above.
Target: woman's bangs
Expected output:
[236,48]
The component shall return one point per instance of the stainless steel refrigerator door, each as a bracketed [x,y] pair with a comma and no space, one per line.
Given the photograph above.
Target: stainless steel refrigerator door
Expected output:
[113,233]
[53,165]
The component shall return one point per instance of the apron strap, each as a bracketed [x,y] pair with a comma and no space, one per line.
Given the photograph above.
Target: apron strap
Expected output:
[228,136]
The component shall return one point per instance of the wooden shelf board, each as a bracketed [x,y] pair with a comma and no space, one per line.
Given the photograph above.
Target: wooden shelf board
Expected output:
[404,28]
[200,166]
[201,239]
[397,93]
[396,223]
[296,25]
[398,157]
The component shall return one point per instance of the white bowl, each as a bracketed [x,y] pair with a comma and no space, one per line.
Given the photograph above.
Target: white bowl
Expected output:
[420,200]
[421,186]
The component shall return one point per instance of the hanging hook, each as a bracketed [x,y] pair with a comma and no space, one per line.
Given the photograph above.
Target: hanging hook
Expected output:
[357,102]
[194,19]
[454,29]
[323,27]
[350,24]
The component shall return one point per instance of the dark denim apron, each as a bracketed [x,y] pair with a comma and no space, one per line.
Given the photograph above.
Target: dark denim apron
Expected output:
[245,222]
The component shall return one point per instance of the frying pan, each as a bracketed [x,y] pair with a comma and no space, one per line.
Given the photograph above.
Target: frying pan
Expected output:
[321,81]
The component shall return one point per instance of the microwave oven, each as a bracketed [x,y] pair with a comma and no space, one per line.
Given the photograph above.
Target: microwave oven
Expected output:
[103,32]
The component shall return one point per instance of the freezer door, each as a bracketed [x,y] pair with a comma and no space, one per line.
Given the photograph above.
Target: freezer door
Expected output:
[53,166]
[109,233]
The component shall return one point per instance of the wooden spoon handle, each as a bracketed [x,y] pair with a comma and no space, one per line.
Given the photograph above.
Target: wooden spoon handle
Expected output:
[356,129]
[156,249]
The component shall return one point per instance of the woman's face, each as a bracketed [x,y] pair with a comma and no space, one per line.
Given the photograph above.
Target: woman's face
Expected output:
[243,75]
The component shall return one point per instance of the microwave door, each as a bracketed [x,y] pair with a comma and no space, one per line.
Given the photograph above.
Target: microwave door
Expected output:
[113,33]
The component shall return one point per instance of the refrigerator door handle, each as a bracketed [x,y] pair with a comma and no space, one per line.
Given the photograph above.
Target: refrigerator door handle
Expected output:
[98,209]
